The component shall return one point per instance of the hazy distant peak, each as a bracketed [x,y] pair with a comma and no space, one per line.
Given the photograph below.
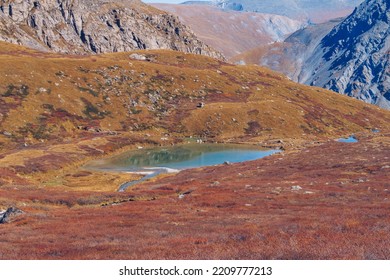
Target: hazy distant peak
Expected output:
[313,10]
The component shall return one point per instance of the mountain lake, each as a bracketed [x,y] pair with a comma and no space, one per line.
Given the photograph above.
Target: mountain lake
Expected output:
[154,161]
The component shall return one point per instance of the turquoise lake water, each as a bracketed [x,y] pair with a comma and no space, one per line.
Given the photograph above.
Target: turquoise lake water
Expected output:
[350,139]
[181,157]
[155,161]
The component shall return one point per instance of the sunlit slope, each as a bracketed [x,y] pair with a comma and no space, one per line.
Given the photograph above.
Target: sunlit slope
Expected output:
[51,97]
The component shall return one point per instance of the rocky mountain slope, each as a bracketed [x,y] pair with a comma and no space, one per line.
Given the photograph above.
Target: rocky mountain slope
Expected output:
[316,11]
[86,26]
[354,58]
[233,32]
[350,57]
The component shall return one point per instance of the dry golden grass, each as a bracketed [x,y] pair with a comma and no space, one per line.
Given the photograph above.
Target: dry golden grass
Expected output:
[57,95]
[85,180]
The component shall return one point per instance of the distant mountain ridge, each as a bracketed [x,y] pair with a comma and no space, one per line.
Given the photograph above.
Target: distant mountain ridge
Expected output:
[86,26]
[312,10]
[232,32]
[288,56]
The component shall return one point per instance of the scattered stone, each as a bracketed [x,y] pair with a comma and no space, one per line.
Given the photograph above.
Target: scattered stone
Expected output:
[200,105]
[137,56]
[182,195]
[6,216]
[296,188]
[277,190]
[216,183]
[360,180]
[308,192]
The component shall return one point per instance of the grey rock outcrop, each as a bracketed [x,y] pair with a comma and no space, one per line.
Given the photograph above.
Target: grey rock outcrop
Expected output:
[6,216]
[87,26]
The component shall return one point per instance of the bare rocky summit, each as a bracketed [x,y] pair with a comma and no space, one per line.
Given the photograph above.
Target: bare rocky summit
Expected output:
[86,26]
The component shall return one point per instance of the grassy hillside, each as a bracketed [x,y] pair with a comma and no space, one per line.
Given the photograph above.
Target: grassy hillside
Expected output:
[53,98]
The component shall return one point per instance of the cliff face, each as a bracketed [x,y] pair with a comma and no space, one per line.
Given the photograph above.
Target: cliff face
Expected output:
[354,57]
[86,26]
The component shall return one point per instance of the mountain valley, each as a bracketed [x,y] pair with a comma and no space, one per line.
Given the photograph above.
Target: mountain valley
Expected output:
[65,102]
[232,32]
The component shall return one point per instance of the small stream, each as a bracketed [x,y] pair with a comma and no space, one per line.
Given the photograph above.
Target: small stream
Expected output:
[156,171]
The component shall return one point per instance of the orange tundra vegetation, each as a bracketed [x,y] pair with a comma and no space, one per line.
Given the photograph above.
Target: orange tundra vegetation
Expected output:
[319,199]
